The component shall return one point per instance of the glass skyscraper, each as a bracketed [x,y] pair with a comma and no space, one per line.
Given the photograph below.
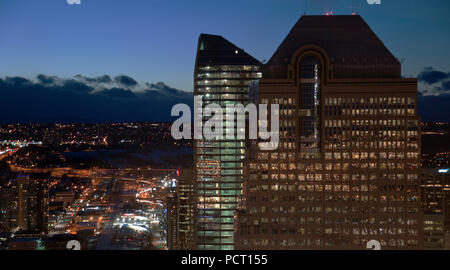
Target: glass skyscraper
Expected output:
[222,76]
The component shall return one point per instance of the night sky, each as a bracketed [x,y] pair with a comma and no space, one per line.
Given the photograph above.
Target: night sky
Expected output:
[155,41]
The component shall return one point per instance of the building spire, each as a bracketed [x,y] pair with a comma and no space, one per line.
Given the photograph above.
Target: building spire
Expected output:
[304,11]
[355,9]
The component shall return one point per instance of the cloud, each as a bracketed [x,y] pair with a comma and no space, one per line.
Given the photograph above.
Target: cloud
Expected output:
[433,82]
[100,79]
[162,87]
[117,92]
[43,79]
[16,80]
[446,85]
[125,80]
[51,99]
[431,76]
[76,86]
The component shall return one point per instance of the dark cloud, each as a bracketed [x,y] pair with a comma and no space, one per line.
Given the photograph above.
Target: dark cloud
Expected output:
[104,79]
[76,86]
[431,76]
[446,85]
[46,79]
[100,79]
[54,99]
[160,86]
[117,93]
[16,80]
[125,81]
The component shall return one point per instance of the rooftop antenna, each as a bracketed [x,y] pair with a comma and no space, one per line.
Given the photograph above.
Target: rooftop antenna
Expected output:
[401,60]
[304,11]
[355,10]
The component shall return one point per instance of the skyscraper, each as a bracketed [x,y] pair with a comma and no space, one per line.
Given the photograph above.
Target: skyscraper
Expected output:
[6,209]
[31,196]
[435,198]
[172,221]
[186,210]
[222,75]
[348,164]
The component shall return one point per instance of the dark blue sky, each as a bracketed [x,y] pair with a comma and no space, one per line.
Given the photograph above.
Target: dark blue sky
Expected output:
[155,40]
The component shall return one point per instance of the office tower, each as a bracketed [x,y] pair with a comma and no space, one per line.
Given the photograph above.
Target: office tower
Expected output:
[172,218]
[435,195]
[222,75]
[347,167]
[434,235]
[186,210]
[31,197]
[6,208]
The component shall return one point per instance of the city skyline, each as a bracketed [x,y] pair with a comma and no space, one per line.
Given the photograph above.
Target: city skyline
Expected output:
[318,125]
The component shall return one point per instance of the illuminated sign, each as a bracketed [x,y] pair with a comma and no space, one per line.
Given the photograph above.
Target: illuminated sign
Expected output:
[444,170]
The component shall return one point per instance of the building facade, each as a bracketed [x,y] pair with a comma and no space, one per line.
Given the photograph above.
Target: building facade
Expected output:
[31,197]
[186,210]
[172,221]
[222,75]
[347,169]
[435,198]
[7,207]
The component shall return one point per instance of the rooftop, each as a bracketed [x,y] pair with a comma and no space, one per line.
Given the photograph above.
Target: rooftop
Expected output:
[355,51]
[216,49]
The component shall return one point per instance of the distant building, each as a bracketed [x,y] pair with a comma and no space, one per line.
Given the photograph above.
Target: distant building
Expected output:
[7,209]
[347,169]
[31,197]
[26,243]
[186,210]
[433,231]
[435,198]
[222,76]
[66,196]
[172,218]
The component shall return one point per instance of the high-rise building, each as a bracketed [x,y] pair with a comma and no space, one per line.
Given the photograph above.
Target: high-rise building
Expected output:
[434,236]
[222,75]
[31,197]
[6,208]
[435,198]
[347,169]
[172,221]
[186,210]
[435,193]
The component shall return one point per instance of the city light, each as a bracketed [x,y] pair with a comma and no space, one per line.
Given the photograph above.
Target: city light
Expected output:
[327,144]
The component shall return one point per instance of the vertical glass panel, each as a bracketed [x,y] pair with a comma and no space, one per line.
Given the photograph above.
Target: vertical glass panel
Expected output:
[309,104]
